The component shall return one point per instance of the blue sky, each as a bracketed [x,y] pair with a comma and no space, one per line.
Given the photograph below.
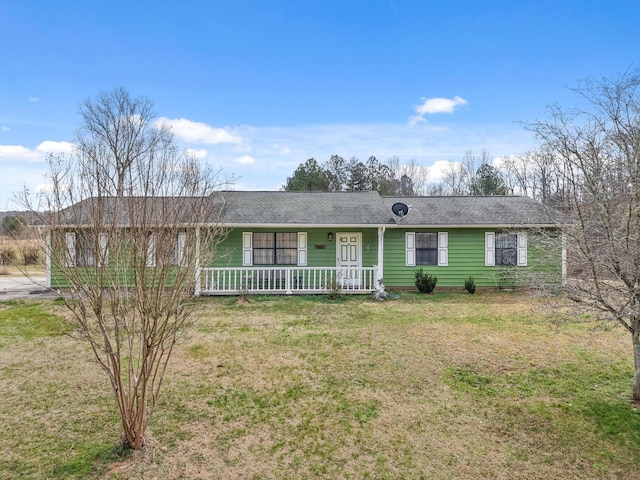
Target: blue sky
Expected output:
[258,87]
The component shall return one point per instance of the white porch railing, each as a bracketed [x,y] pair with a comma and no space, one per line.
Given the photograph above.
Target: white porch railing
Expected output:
[287,280]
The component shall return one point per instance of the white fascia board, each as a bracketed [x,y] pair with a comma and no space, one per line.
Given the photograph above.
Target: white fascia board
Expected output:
[301,225]
[488,225]
[341,225]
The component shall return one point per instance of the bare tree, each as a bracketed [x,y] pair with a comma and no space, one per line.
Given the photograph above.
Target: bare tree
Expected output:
[130,220]
[472,163]
[456,179]
[413,178]
[538,174]
[517,174]
[597,148]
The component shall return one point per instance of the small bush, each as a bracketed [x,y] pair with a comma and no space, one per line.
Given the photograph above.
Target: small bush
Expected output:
[8,255]
[470,285]
[426,283]
[30,253]
[335,291]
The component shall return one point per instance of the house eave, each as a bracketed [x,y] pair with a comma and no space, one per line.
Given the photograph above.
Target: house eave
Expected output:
[327,225]
[304,225]
[476,226]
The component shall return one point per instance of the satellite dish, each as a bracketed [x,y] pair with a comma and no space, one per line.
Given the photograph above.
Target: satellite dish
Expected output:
[400,209]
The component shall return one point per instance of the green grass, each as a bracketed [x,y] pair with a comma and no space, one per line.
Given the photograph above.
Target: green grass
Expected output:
[444,386]
[29,320]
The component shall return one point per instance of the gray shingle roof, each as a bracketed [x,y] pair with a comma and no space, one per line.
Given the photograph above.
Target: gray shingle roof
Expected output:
[140,211]
[304,208]
[273,208]
[474,211]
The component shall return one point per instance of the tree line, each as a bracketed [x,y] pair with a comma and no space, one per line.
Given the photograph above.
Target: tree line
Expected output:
[338,174]
[536,174]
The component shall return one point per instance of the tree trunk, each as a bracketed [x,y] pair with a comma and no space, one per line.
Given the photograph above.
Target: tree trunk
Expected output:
[635,393]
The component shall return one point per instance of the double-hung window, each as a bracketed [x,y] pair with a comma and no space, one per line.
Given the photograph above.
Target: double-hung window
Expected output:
[505,249]
[427,248]
[166,249]
[85,249]
[274,248]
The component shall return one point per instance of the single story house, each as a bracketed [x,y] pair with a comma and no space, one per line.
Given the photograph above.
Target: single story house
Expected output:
[317,242]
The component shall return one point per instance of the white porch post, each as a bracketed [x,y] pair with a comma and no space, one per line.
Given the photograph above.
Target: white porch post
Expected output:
[564,259]
[47,253]
[380,269]
[197,288]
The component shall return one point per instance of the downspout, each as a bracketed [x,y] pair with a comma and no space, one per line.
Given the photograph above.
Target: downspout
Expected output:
[380,269]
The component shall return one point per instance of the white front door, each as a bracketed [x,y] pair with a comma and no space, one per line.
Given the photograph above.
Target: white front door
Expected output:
[349,255]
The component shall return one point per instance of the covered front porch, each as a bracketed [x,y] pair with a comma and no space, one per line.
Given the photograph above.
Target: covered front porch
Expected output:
[286,280]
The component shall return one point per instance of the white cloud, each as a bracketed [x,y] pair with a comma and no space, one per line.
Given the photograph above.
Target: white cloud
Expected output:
[4,129]
[49,146]
[43,187]
[33,99]
[198,132]
[431,106]
[18,153]
[284,151]
[245,160]
[199,153]
[439,169]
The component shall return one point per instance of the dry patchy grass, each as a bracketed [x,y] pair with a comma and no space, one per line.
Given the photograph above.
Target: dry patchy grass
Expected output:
[13,250]
[446,386]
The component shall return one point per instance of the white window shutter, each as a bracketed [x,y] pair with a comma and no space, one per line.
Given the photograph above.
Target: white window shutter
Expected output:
[103,254]
[489,249]
[410,244]
[151,250]
[70,252]
[522,249]
[443,249]
[181,242]
[302,249]
[247,249]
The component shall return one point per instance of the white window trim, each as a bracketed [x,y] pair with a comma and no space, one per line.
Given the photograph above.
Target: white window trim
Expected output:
[490,249]
[410,249]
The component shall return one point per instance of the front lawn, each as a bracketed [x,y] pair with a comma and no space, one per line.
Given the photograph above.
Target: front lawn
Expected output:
[445,386]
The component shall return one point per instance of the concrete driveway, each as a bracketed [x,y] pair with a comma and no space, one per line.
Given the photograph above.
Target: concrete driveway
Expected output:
[12,288]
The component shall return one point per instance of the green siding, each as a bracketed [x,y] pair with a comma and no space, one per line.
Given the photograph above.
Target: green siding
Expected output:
[229,252]
[466,252]
[466,257]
